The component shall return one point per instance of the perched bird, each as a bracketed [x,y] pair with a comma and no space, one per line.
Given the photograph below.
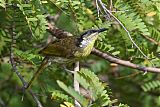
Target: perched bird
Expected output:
[71,48]
[68,49]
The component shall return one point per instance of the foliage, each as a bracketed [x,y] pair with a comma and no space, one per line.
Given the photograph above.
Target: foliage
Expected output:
[99,94]
[24,22]
[152,85]
[67,104]
[59,95]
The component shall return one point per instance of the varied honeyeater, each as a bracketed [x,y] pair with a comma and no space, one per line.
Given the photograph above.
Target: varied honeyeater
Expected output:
[68,49]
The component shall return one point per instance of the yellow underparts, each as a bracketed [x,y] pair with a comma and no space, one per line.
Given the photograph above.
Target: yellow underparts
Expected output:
[87,50]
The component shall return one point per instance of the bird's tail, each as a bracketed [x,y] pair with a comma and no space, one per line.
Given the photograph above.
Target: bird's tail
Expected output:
[38,72]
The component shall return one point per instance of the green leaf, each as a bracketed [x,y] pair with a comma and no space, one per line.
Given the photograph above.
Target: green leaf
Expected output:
[58,95]
[84,102]
[32,19]
[116,53]
[90,82]
[2,3]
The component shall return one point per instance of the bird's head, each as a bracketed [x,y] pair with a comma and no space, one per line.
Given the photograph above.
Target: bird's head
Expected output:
[89,37]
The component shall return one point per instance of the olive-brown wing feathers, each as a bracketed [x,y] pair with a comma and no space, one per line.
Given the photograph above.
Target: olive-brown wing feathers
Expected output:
[62,48]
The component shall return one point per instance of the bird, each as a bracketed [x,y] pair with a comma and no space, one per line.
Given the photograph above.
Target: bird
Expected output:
[68,50]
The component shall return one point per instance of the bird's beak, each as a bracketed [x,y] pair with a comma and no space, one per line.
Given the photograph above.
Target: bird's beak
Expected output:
[102,30]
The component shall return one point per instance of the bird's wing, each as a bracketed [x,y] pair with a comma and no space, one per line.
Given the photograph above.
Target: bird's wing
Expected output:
[61,48]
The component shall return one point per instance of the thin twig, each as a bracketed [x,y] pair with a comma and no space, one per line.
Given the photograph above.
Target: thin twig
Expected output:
[124,63]
[111,5]
[76,83]
[22,80]
[35,98]
[16,70]
[98,9]
[107,16]
[58,33]
[129,76]
[152,40]
[108,12]
[115,11]
[43,65]
[12,56]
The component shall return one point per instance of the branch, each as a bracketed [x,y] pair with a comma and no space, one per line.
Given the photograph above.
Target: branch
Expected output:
[58,33]
[152,40]
[53,30]
[76,83]
[13,34]
[22,79]
[123,62]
